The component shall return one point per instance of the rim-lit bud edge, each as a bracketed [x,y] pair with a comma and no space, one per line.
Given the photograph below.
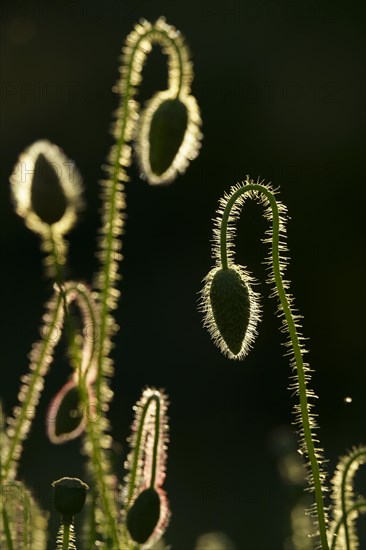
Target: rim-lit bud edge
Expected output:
[148,454]
[188,149]
[209,319]
[69,180]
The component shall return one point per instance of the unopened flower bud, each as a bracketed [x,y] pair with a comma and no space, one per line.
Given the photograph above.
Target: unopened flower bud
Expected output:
[69,496]
[143,516]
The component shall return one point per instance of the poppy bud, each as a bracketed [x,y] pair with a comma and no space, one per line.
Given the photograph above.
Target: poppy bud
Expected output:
[231,309]
[47,196]
[230,304]
[168,136]
[69,495]
[143,516]
[167,129]
[46,188]
[65,418]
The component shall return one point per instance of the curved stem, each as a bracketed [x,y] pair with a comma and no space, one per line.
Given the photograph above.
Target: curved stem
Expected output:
[354,457]
[294,338]
[57,261]
[40,359]
[111,207]
[360,505]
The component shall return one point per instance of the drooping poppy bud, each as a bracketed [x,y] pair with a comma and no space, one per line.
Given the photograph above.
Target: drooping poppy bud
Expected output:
[231,310]
[168,137]
[167,128]
[46,188]
[47,196]
[67,414]
[143,516]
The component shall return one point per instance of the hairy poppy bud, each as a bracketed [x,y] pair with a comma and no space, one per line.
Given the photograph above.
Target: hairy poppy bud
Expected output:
[168,136]
[231,309]
[69,496]
[143,516]
[230,304]
[46,188]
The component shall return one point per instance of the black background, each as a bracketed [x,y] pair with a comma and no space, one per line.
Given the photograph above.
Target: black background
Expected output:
[281,89]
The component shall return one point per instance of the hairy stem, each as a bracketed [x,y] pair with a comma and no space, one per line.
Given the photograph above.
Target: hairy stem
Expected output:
[65,536]
[138,449]
[40,358]
[354,457]
[294,338]
[360,505]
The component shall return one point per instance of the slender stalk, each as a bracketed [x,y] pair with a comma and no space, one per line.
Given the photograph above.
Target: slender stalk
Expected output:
[56,261]
[294,338]
[138,448]
[360,505]
[40,359]
[8,538]
[344,501]
[156,443]
[100,466]
[65,536]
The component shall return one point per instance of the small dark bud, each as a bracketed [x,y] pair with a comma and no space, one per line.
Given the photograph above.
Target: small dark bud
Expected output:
[168,126]
[143,516]
[69,495]
[48,198]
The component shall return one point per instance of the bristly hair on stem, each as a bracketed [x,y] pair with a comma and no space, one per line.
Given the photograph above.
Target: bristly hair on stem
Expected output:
[343,535]
[224,254]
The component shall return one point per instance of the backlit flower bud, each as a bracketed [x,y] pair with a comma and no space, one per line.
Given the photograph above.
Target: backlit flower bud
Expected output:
[143,516]
[46,188]
[69,495]
[231,310]
[168,137]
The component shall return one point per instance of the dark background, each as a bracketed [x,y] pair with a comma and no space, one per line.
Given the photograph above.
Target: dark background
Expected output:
[281,89]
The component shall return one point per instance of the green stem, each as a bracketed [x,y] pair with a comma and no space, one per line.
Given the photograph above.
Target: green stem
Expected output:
[65,536]
[110,209]
[57,260]
[360,505]
[99,463]
[138,447]
[304,405]
[27,404]
[354,457]
[156,443]
[8,538]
